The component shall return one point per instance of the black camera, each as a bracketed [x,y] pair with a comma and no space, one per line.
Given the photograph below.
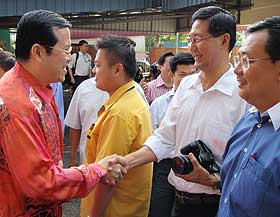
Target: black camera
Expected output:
[183,165]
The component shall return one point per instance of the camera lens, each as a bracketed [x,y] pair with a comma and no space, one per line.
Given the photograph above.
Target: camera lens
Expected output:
[182,165]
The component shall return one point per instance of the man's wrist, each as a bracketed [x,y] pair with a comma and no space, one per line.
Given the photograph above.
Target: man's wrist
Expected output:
[218,185]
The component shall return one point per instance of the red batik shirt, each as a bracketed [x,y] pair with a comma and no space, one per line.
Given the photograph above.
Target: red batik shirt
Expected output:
[32,183]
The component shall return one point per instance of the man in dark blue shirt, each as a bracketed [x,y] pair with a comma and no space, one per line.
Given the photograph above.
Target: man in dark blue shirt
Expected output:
[251,167]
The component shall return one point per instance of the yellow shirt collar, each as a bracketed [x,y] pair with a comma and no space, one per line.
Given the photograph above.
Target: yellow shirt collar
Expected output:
[118,93]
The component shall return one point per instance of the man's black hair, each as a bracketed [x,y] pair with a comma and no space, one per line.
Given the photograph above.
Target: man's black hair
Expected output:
[82,42]
[7,60]
[272,25]
[36,27]
[181,59]
[162,58]
[119,50]
[220,22]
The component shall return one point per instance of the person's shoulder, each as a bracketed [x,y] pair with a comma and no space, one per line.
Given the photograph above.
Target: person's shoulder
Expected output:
[89,87]
[189,80]
[159,100]
[74,54]
[152,83]
[88,55]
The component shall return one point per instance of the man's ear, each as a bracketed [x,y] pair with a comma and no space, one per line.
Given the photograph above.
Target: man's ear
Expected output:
[118,69]
[171,75]
[160,67]
[277,65]
[225,40]
[36,52]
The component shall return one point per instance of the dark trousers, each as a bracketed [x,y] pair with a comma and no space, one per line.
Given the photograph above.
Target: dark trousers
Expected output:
[78,81]
[195,205]
[163,193]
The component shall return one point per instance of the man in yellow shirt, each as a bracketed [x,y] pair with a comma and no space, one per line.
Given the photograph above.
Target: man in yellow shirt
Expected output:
[122,127]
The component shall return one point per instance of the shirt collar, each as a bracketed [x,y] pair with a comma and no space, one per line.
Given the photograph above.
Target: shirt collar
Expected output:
[118,93]
[274,114]
[44,92]
[171,92]
[224,84]
[159,82]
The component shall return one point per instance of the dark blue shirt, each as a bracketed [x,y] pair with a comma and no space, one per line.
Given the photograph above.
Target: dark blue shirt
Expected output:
[251,167]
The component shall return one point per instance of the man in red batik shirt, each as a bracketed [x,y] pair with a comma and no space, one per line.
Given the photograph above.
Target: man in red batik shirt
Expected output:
[33,182]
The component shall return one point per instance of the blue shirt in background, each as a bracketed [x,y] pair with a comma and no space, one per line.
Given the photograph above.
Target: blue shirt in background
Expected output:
[58,96]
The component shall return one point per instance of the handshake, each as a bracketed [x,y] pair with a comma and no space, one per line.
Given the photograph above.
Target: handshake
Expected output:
[116,167]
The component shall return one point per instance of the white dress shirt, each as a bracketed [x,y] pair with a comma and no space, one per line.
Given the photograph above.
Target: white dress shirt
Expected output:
[196,114]
[82,112]
[83,66]
[84,106]
[159,107]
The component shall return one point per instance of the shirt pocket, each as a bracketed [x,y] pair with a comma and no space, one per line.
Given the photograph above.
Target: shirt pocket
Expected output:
[249,189]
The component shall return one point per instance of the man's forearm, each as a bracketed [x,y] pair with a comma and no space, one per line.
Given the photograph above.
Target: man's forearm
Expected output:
[140,157]
[70,73]
[102,197]
[74,136]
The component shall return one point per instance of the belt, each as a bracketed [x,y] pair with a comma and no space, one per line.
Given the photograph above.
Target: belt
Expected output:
[197,199]
[82,76]
[166,161]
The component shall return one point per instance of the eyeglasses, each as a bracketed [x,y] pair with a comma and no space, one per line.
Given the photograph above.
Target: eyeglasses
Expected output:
[196,39]
[245,61]
[66,51]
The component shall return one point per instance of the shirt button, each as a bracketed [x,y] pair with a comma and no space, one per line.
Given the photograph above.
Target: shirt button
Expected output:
[245,150]
[259,125]
[235,175]
[225,200]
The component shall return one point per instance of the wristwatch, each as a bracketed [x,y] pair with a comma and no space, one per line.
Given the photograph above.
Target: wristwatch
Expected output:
[218,178]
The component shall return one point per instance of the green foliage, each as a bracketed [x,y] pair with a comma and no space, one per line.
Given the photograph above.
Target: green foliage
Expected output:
[149,40]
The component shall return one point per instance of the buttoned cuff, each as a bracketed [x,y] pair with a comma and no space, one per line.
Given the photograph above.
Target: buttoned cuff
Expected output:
[99,170]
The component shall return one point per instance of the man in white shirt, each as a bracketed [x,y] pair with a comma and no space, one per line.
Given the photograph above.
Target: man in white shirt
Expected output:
[81,64]
[181,65]
[162,197]
[205,107]
[82,113]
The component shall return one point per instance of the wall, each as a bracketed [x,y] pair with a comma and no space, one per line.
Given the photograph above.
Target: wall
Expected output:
[156,52]
[262,9]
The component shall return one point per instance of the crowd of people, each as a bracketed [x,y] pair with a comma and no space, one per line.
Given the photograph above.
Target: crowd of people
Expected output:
[128,134]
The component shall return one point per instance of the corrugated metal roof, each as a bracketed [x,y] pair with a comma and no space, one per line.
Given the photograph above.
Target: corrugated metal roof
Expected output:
[19,7]
[162,16]
[148,26]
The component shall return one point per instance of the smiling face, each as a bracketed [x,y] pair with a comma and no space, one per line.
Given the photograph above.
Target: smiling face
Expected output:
[206,50]
[259,84]
[54,64]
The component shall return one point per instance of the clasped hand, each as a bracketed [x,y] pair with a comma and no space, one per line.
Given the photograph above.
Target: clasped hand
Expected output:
[116,167]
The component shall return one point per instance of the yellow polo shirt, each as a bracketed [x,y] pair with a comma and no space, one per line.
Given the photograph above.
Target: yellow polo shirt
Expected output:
[122,127]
